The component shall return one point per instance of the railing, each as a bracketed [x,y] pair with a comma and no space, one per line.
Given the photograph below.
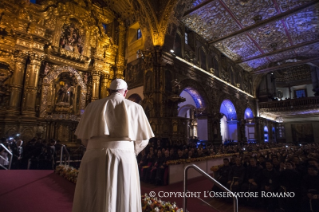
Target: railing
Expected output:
[291,104]
[235,200]
[63,148]
[11,156]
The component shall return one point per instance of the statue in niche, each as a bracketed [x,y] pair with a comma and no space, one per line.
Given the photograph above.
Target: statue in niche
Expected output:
[71,39]
[65,94]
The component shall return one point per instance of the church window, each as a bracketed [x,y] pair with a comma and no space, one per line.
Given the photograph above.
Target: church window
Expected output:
[300,93]
[186,38]
[33,1]
[139,34]
[105,28]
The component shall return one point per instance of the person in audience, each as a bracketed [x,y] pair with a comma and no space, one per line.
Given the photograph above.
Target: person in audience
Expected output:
[236,176]
[269,183]
[180,155]
[172,154]
[160,172]
[310,190]
[289,182]
[158,162]
[223,173]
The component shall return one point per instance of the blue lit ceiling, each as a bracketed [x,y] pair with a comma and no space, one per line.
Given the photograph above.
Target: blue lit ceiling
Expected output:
[248,113]
[198,99]
[288,32]
[228,109]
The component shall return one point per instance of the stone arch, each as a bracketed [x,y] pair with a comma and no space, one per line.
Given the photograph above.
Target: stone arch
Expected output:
[52,75]
[193,85]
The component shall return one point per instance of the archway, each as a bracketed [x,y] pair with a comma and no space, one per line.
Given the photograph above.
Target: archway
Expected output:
[249,126]
[266,135]
[192,110]
[228,121]
[47,95]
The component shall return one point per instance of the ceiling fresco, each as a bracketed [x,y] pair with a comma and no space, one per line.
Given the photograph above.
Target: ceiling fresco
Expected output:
[258,34]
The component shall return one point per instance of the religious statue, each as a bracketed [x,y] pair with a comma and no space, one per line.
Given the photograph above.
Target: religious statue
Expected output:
[71,39]
[65,95]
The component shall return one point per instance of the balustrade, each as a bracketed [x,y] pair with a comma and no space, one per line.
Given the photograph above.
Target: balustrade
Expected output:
[290,104]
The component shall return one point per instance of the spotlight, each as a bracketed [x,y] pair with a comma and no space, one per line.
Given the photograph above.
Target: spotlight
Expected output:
[286,146]
[172,51]
[10,138]
[244,148]
[18,134]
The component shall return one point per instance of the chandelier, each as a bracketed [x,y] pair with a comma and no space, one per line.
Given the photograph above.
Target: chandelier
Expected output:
[279,119]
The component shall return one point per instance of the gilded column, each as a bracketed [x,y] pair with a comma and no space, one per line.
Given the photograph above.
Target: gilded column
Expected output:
[120,54]
[105,81]
[17,84]
[104,85]
[96,75]
[31,86]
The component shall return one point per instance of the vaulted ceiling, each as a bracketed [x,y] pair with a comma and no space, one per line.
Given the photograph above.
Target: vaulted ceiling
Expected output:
[259,35]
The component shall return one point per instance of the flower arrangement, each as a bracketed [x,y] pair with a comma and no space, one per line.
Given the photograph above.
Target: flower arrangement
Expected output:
[150,204]
[68,172]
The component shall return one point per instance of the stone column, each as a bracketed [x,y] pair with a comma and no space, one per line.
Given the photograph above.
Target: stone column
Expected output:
[95,85]
[120,54]
[17,84]
[31,86]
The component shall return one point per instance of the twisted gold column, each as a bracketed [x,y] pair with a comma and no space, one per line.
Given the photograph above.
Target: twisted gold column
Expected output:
[17,84]
[96,85]
[31,86]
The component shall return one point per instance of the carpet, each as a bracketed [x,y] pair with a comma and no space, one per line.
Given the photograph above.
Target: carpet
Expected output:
[45,191]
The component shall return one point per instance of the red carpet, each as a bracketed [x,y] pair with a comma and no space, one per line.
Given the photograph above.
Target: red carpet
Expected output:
[45,191]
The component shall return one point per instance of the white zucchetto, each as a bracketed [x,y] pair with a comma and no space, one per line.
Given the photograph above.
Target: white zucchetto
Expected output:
[118,84]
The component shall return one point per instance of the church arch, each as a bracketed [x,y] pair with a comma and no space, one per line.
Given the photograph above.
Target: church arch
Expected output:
[192,109]
[228,121]
[249,125]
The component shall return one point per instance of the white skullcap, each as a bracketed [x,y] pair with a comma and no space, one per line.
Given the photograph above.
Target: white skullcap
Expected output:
[118,84]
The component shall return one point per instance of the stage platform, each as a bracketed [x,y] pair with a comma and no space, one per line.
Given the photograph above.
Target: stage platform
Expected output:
[45,191]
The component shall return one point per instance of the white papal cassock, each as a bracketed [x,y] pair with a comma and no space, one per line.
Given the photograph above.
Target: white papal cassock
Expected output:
[115,130]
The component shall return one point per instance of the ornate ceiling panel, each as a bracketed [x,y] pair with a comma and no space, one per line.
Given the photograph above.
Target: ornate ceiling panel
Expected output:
[286,5]
[308,51]
[250,11]
[238,48]
[282,56]
[271,36]
[195,3]
[304,26]
[243,29]
[256,64]
[211,21]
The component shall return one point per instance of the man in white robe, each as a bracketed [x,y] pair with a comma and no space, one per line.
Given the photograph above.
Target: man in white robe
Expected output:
[114,130]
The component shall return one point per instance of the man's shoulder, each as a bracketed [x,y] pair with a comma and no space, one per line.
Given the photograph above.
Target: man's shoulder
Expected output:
[132,104]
